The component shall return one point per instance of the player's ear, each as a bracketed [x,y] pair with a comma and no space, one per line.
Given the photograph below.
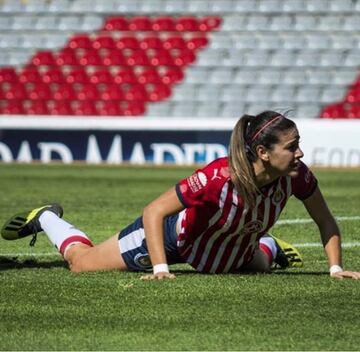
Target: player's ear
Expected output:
[262,152]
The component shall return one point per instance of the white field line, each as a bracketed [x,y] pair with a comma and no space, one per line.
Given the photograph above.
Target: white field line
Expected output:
[280,222]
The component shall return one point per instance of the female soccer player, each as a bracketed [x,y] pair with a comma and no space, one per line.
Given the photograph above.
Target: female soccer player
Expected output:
[216,220]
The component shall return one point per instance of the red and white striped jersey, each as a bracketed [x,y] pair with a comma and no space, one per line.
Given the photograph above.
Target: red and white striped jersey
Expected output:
[219,231]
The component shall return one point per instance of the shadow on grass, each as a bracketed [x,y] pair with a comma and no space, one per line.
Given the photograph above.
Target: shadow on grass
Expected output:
[8,263]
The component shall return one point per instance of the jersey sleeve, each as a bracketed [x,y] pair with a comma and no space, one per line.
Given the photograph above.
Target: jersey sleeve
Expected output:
[305,183]
[198,188]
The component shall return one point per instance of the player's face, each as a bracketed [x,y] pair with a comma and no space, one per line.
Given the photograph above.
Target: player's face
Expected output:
[284,157]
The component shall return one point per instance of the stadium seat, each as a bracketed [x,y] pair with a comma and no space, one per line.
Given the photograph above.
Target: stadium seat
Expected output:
[80,41]
[184,57]
[39,91]
[163,24]
[77,75]
[64,92]
[117,23]
[128,42]
[197,42]
[14,107]
[172,76]
[158,92]
[112,92]
[187,24]
[151,42]
[110,108]
[8,75]
[90,57]
[67,57]
[353,96]
[125,76]
[101,76]
[114,58]
[53,75]
[353,112]
[174,42]
[140,23]
[36,108]
[43,58]
[135,108]
[87,108]
[333,111]
[161,57]
[138,58]
[136,92]
[104,42]
[149,75]
[88,92]
[209,23]
[30,75]
[16,91]
[61,107]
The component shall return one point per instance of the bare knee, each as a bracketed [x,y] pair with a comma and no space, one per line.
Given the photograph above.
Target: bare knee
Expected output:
[76,258]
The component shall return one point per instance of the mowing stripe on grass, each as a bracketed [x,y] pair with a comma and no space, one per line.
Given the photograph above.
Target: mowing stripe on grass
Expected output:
[308,221]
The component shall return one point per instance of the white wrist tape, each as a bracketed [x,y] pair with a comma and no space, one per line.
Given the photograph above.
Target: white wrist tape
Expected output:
[335,269]
[160,268]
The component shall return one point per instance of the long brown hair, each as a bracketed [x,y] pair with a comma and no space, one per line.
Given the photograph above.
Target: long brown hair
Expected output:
[249,132]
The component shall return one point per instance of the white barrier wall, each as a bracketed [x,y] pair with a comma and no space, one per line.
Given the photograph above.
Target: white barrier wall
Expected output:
[158,140]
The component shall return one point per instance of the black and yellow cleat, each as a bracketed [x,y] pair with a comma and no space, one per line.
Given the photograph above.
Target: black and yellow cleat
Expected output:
[287,255]
[27,223]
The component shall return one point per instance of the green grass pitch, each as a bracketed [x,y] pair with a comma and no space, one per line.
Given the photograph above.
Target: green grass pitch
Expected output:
[43,306]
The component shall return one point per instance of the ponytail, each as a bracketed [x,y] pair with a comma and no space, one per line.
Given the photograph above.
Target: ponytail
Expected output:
[240,157]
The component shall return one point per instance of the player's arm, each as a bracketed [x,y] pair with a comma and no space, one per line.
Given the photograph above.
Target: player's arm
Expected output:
[153,219]
[330,234]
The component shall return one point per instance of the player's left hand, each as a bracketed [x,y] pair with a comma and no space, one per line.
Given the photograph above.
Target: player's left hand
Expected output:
[158,276]
[346,274]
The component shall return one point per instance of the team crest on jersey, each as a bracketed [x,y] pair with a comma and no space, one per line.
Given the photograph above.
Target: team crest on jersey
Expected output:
[143,260]
[197,181]
[252,227]
[278,196]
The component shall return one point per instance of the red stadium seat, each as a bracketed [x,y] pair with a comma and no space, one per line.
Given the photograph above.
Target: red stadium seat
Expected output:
[125,75]
[37,108]
[172,75]
[101,76]
[85,108]
[187,24]
[43,58]
[8,75]
[149,75]
[110,108]
[77,75]
[159,92]
[197,42]
[90,57]
[353,96]
[88,92]
[80,41]
[128,42]
[117,23]
[30,75]
[138,58]
[209,23]
[184,57]
[53,75]
[151,43]
[61,107]
[14,107]
[163,24]
[67,56]
[104,42]
[16,91]
[353,112]
[333,111]
[40,91]
[136,92]
[175,42]
[114,58]
[64,92]
[112,92]
[140,23]
[161,57]
[135,108]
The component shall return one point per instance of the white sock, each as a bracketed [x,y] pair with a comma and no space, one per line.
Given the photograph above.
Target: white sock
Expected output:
[61,233]
[268,246]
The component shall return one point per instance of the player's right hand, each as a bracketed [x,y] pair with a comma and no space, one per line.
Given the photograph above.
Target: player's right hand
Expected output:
[158,276]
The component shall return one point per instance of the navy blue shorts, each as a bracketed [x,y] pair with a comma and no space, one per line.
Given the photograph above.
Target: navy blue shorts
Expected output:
[133,247]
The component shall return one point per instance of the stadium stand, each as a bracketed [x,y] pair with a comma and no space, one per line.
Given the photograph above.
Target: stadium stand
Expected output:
[184,57]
